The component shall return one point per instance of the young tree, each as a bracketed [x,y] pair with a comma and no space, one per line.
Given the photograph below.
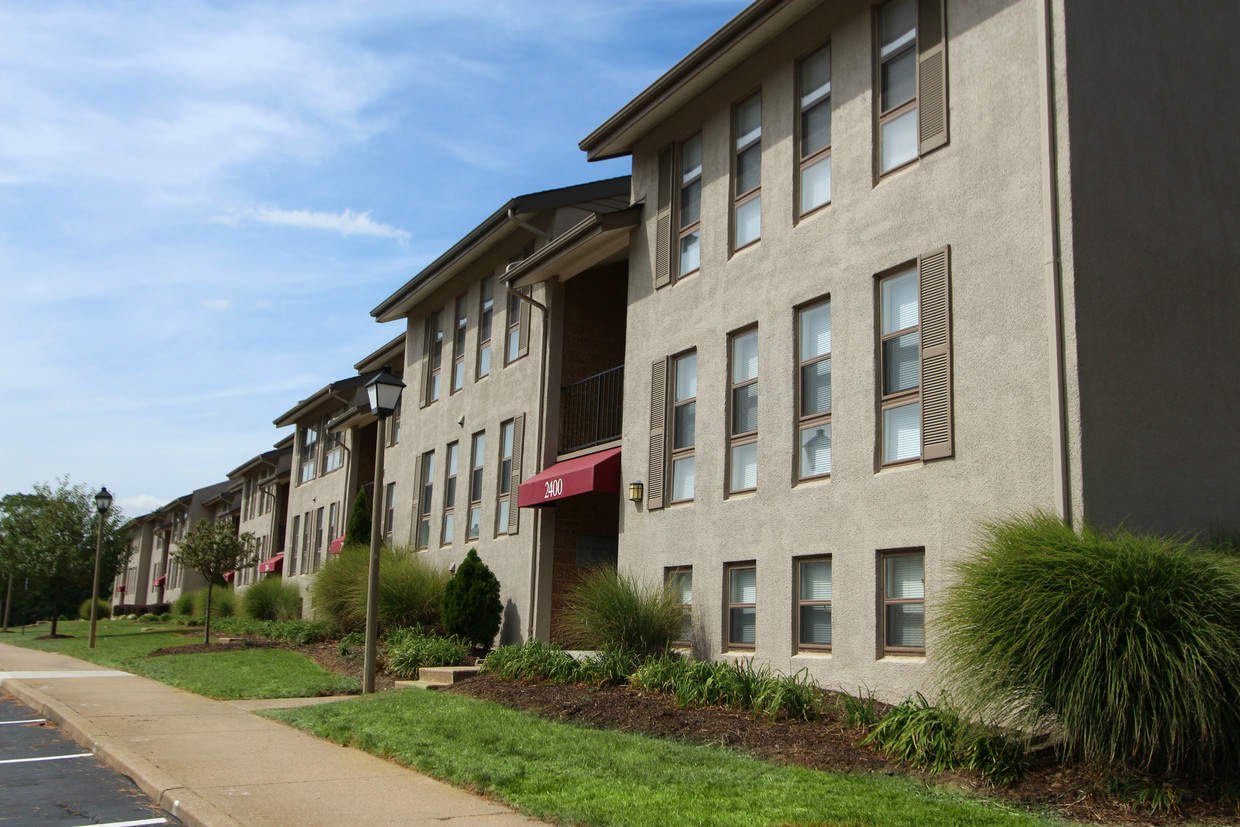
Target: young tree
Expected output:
[471,604]
[50,537]
[358,531]
[213,550]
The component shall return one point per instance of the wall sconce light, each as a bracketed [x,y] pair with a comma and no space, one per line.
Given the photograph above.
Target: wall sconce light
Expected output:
[636,490]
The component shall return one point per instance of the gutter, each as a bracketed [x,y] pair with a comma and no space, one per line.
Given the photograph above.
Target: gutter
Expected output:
[1054,267]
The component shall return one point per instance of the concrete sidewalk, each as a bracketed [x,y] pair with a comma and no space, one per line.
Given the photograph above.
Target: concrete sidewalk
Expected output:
[215,764]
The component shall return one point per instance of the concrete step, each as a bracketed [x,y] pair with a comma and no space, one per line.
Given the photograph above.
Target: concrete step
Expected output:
[445,674]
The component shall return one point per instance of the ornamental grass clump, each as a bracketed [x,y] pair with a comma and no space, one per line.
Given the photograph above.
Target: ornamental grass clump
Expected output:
[271,599]
[609,611]
[1128,644]
[104,609]
[410,589]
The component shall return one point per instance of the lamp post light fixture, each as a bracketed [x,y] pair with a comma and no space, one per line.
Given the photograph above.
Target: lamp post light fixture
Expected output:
[103,501]
[636,491]
[383,391]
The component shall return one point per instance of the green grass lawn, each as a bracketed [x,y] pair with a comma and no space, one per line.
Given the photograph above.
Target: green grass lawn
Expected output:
[118,643]
[598,777]
[247,673]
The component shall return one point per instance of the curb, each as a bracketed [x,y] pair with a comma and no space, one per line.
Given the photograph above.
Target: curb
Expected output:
[188,806]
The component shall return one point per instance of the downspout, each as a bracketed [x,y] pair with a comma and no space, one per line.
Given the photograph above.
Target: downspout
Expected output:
[1054,267]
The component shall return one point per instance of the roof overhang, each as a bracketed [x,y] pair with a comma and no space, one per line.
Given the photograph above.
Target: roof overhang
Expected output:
[739,38]
[341,392]
[385,355]
[497,227]
[589,243]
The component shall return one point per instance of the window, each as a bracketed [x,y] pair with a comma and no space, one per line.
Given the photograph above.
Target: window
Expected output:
[334,458]
[434,357]
[690,206]
[742,581]
[292,563]
[308,452]
[747,173]
[449,492]
[684,419]
[389,510]
[458,347]
[477,453]
[304,559]
[393,434]
[911,67]
[814,390]
[505,477]
[814,604]
[904,602]
[485,316]
[333,521]
[915,362]
[318,538]
[680,581]
[814,131]
[517,343]
[427,477]
[743,413]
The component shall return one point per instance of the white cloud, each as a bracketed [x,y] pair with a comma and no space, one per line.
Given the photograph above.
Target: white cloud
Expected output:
[139,505]
[348,222]
[216,304]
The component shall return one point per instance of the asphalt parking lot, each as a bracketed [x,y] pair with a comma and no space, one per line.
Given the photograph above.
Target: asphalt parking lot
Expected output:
[47,778]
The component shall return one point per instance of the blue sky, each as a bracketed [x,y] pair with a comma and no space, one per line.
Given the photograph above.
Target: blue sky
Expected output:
[200,202]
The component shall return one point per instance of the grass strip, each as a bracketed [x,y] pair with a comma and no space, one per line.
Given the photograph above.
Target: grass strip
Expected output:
[247,673]
[559,771]
[118,643]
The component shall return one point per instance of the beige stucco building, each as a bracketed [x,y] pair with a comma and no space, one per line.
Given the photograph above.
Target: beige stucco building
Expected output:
[263,506]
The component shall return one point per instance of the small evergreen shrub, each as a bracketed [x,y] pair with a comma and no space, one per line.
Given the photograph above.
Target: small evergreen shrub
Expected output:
[104,609]
[1129,644]
[609,611]
[357,533]
[271,598]
[410,590]
[413,651]
[471,605]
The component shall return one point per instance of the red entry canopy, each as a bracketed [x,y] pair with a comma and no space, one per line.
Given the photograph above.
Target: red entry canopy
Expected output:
[228,576]
[274,564]
[599,471]
[335,545]
[159,581]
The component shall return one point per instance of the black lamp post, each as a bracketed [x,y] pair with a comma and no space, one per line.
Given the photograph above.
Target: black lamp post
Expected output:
[383,392]
[103,501]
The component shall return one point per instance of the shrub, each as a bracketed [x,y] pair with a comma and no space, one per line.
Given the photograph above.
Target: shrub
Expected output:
[296,632]
[471,604]
[532,661]
[165,616]
[149,618]
[937,738]
[223,602]
[357,532]
[104,609]
[739,685]
[413,651]
[410,590]
[1131,644]
[858,710]
[183,606]
[271,599]
[609,611]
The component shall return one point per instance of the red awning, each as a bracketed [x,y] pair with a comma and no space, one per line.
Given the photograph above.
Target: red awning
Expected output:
[159,581]
[228,576]
[335,545]
[274,564]
[599,471]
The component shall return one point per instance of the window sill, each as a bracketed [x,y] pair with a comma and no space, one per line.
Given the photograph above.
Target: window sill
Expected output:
[900,657]
[812,654]
[904,465]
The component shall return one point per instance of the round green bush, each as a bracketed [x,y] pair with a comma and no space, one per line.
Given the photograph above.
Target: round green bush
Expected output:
[471,606]
[1128,644]
[104,610]
[271,599]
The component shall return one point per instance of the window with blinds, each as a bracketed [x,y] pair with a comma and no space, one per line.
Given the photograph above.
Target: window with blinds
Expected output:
[742,605]
[813,331]
[679,581]
[814,604]
[904,602]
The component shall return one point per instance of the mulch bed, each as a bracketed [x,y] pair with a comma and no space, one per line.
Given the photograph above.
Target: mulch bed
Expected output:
[1075,792]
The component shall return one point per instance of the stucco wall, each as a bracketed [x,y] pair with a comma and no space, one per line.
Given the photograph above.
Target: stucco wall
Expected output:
[980,195]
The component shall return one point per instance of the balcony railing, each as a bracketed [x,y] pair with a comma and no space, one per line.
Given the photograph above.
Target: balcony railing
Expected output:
[591,410]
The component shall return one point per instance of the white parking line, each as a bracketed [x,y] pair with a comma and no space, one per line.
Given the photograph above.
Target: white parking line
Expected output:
[132,823]
[25,721]
[47,758]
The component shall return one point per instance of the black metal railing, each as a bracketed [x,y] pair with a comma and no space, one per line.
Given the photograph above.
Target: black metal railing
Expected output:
[591,410]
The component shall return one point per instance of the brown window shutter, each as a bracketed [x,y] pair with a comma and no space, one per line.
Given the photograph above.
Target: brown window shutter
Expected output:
[658,429]
[415,524]
[663,221]
[934,280]
[518,437]
[425,384]
[523,335]
[931,76]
